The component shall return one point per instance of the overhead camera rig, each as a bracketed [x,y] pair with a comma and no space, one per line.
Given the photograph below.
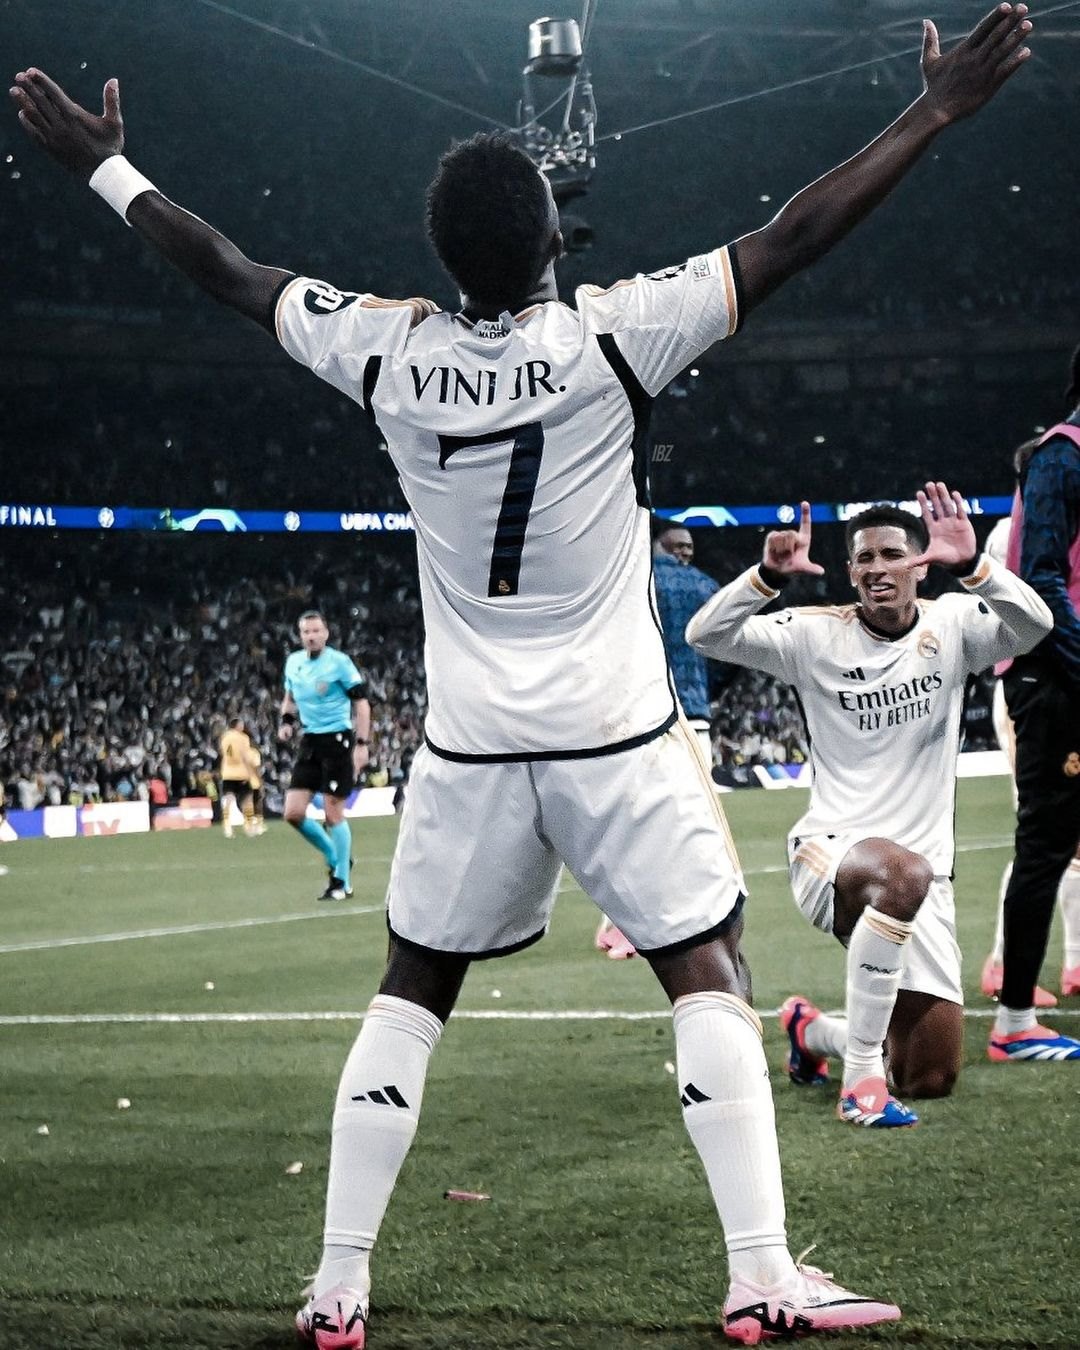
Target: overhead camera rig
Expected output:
[556,80]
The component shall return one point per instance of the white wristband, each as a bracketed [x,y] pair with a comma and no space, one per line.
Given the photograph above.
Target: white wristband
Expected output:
[119,183]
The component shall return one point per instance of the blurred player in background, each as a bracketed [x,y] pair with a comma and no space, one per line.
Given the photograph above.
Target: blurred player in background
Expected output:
[236,766]
[255,782]
[517,427]
[681,590]
[881,684]
[997,546]
[1042,690]
[327,695]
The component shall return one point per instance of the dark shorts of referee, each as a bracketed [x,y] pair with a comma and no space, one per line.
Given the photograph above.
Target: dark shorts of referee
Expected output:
[239,787]
[324,763]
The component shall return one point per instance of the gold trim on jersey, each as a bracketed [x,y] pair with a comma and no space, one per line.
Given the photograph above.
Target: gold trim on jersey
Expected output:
[981,574]
[698,756]
[594,292]
[730,293]
[845,613]
[280,301]
[814,858]
[754,577]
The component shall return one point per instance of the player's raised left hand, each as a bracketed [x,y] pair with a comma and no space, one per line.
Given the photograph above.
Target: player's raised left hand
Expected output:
[77,139]
[960,81]
[788,551]
[952,539]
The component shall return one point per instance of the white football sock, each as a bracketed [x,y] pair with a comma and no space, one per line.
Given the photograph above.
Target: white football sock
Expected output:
[1069,899]
[1008,1021]
[375,1117]
[997,954]
[827,1035]
[875,962]
[728,1110]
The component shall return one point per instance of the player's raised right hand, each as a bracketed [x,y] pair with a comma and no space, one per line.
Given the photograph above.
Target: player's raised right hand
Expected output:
[788,551]
[77,139]
[958,82]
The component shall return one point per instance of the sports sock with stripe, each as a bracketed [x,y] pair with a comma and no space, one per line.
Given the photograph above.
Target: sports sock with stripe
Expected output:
[875,963]
[375,1118]
[728,1109]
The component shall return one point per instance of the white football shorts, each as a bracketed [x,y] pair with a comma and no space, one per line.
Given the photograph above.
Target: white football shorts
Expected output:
[932,957]
[481,847]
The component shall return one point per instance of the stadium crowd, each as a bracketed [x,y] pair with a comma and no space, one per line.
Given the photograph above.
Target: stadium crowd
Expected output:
[104,686]
[125,656]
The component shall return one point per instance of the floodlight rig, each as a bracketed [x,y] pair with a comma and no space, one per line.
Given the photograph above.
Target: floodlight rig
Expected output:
[565,153]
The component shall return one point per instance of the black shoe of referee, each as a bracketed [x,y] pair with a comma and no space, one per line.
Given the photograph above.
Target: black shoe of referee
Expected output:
[336,890]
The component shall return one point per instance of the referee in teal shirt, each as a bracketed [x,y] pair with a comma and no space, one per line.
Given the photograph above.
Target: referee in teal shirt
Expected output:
[327,696]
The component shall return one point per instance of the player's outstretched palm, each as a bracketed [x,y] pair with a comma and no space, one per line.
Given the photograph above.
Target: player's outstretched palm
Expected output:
[788,551]
[75,138]
[959,82]
[952,540]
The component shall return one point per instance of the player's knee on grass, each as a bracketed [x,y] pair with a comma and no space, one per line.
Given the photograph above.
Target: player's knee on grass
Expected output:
[881,874]
[925,1045]
[932,1080]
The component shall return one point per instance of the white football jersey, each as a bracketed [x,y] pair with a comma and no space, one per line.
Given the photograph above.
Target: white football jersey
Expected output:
[882,714]
[520,446]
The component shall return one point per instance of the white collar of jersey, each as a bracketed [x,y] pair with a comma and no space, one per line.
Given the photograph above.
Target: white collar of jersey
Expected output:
[489,328]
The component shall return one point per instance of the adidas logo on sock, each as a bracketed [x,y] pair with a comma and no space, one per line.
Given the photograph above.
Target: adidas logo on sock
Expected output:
[385,1096]
[857,673]
[692,1096]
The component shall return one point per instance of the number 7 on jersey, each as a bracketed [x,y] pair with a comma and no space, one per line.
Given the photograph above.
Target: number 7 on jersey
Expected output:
[517,498]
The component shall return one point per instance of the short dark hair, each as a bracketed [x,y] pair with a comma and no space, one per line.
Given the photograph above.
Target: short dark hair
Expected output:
[489,219]
[311,614]
[884,513]
[1072,392]
[1023,453]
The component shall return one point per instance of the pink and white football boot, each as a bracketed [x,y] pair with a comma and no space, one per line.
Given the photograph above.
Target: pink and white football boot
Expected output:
[335,1321]
[803,1306]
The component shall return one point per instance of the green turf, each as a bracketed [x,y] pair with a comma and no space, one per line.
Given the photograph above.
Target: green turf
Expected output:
[175,1224]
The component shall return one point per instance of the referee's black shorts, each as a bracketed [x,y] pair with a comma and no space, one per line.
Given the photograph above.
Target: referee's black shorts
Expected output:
[325,763]
[239,787]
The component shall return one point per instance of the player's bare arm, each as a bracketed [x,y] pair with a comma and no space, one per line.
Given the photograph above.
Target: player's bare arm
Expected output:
[81,142]
[956,84]
[287,713]
[787,552]
[361,721]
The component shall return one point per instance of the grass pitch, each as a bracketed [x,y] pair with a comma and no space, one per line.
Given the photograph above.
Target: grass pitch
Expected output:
[174,1223]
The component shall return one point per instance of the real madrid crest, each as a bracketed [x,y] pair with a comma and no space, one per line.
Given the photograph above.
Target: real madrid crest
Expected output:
[927,645]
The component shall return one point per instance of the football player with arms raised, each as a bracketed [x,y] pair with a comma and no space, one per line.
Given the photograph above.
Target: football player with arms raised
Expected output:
[517,427]
[881,683]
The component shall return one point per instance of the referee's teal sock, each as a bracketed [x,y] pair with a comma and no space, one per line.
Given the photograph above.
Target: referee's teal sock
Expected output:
[314,833]
[341,838]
